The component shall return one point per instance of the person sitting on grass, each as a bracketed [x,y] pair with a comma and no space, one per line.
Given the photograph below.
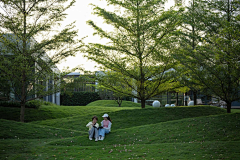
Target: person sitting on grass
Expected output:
[93,128]
[105,127]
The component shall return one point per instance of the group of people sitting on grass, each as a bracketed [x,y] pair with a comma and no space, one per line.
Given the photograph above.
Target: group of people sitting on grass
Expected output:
[96,131]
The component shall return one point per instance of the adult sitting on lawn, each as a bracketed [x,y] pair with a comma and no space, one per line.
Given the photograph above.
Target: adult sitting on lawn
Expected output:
[93,128]
[106,126]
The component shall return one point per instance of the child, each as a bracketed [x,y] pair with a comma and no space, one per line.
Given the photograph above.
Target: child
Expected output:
[106,127]
[93,128]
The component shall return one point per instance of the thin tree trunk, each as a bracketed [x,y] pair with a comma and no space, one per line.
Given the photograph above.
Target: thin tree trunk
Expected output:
[177,100]
[185,100]
[22,112]
[119,101]
[228,64]
[143,103]
[229,104]
[167,98]
[195,97]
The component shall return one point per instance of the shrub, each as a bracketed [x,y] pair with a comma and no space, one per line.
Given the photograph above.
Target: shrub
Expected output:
[79,98]
[34,104]
[48,103]
[31,104]
[10,104]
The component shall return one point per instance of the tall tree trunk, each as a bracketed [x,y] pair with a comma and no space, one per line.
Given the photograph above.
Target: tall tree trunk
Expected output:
[142,75]
[228,64]
[193,47]
[195,97]
[23,83]
[229,104]
[143,103]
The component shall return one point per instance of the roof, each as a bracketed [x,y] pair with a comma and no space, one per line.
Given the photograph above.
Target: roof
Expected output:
[74,74]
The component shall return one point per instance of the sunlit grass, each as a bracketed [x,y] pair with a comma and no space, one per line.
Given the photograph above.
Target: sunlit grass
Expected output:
[235,110]
[112,103]
[54,112]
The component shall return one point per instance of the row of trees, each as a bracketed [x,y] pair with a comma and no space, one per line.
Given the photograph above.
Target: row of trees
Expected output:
[209,47]
[153,50]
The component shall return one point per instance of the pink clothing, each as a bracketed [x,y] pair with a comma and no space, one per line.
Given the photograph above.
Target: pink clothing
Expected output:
[106,123]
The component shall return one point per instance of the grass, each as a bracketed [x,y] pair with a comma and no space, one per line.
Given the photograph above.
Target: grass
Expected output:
[111,103]
[235,110]
[59,132]
[54,112]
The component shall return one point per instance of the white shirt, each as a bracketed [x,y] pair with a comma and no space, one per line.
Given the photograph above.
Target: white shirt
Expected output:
[90,125]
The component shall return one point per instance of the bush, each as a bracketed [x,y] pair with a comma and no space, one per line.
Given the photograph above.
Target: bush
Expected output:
[34,104]
[48,103]
[31,104]
[10,104]
[79,98]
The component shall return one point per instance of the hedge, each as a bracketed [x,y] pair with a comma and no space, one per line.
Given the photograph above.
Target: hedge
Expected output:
[31,104]
[79,98]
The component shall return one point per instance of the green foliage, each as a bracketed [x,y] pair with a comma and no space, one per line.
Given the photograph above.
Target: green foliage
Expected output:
[48,103]
[136,59]
[208,48]
[79,98]
[78,83]
[34,104]
[201,132]
[5,89]
[28,53]
[10,104]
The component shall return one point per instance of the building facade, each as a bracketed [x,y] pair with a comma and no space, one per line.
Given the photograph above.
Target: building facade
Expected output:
[9,53]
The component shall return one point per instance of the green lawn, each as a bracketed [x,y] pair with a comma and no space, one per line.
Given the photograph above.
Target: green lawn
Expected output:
[235,110]
[111,103]
[59,132]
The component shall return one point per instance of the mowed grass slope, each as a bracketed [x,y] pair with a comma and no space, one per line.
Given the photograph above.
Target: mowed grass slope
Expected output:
[202,132]
[111,103]
[55,112]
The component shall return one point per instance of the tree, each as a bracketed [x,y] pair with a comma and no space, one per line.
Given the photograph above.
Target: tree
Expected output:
[105,79]
[214,60]
[5,90]
[191,32]
[137,55]
[118,99]
[187,82]
[23,61]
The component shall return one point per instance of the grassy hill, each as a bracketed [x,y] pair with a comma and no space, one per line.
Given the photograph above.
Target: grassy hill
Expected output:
[112,103]
[59,132]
